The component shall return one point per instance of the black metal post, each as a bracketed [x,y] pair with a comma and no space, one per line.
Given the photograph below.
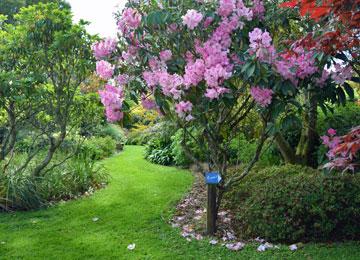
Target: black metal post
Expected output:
[211,210]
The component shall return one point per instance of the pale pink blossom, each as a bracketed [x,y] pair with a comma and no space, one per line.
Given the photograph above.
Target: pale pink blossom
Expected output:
[104,69]
[131,18]
[226,7]
[262,96]
[183,108]
[165,55]
[104,48]
[192,18]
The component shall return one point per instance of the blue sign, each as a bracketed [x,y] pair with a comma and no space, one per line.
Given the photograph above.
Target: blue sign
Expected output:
[212,177]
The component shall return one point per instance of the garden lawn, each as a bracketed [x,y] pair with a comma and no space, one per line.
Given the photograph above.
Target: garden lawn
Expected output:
[134,208]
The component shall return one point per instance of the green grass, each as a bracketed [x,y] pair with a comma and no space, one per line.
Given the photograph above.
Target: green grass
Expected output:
[134,208]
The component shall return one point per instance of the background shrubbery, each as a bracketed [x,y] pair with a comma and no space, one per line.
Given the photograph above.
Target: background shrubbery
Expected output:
[70,179]
[293,203]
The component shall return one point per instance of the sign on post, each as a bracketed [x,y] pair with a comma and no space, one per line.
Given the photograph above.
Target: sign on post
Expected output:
[212,179]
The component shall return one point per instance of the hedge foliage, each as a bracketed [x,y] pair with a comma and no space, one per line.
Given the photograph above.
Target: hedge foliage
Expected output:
[293,203]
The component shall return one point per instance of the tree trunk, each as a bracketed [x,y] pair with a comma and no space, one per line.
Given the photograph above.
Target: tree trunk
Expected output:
[306,148]
[286,150]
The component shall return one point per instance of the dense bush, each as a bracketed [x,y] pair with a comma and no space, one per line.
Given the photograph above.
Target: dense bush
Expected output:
[98,148]
[292,203]
[180,158]
[156,153]
[71,179]
[242,151]
[115,132]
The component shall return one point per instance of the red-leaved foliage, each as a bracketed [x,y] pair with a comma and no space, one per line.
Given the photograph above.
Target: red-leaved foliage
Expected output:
[340,20]
[345,155]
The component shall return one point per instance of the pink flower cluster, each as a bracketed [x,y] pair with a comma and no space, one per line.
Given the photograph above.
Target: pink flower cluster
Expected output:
[103,48]
[165,55]
[331,141]
[262,96]
[260,44]
[183,109]
[104,69]
[147,103]
[214,66]
[192,18]
[112,98]
[130,20]
[234,7]
[258,9]
[295,65]
[341,74]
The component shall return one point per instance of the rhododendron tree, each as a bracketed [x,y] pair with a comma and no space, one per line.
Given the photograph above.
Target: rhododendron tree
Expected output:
[205,65]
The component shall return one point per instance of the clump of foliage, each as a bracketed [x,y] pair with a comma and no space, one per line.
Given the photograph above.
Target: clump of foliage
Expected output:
[342,119]
[294,203]
[98,148]
[78,176]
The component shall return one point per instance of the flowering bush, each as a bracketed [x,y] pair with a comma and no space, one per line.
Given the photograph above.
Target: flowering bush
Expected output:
[206,65]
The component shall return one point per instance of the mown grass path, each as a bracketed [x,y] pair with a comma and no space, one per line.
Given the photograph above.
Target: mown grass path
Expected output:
[134,208]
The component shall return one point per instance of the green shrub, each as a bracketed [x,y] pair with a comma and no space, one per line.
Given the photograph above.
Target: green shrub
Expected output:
[158,152]
[291,203]
[342,120]
[242,151]
[180,159]
[116,133]
[98,148]
[22,191]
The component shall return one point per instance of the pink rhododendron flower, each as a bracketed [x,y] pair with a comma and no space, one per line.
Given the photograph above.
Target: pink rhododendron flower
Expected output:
[262,96]
[183,108]
[208,21]
[260,44]
[192,19]
[243,11]
[131,18]
[258,9]
[331,132]
[324,76]
[341,74]
[215,92]
[165,55]
[170,84]
[147,103]
[226,7]
[103,49]
[194,73]
[173,27]
[112,98]
[151,78]
[104,69]
[122,79]
[215,76]
[296,64]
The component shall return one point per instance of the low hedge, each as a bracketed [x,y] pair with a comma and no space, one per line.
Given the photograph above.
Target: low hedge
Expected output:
[293,203]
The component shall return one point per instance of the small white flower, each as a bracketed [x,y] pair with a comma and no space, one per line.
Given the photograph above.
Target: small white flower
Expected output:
[188,239]
[131,246]
[235,246]
[261,248]
[175,225]
[268,245]
[95,219]
[213,242]
[2,242]
[293,247]
[198,237]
